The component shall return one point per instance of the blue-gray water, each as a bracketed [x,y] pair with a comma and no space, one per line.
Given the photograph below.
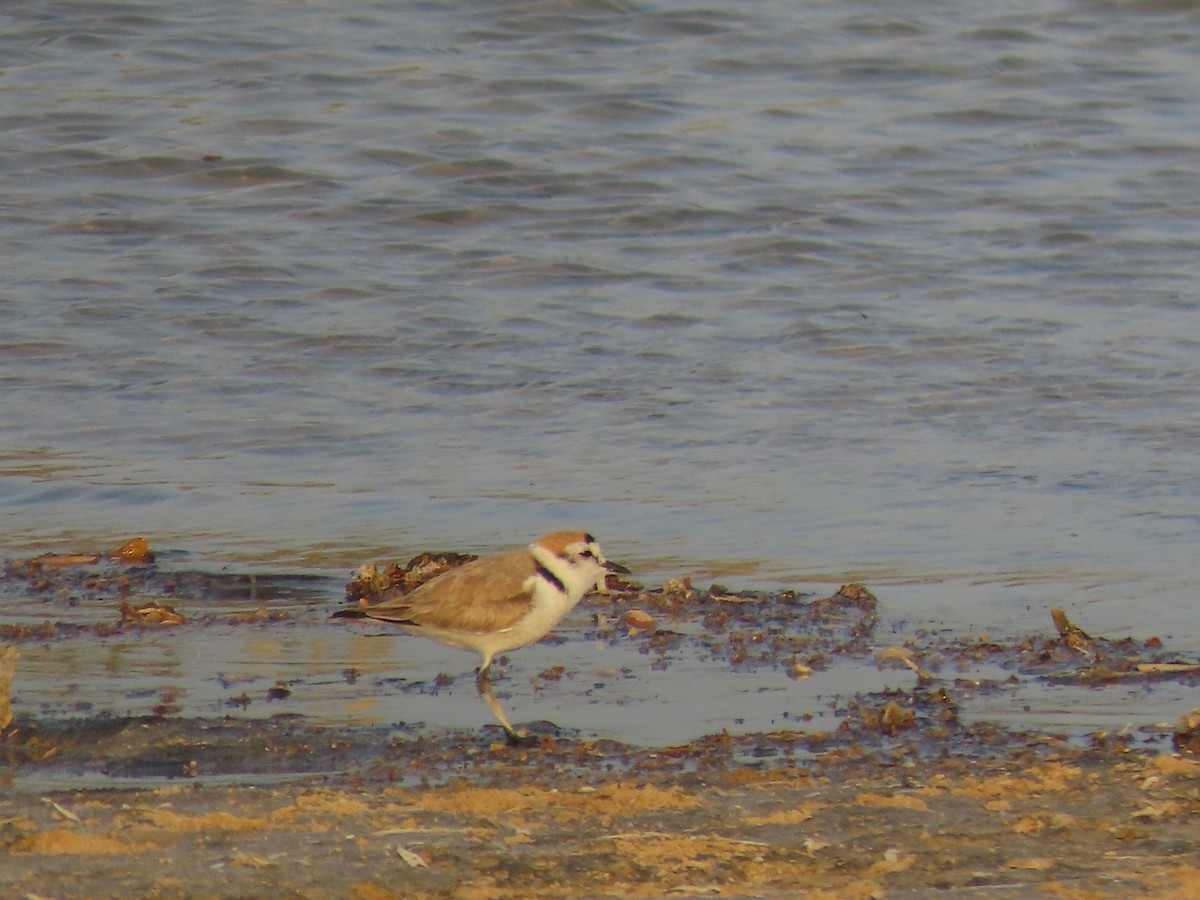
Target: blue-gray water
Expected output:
[762,292]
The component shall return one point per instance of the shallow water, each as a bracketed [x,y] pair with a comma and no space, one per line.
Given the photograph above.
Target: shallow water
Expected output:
[771,293]
[712,666]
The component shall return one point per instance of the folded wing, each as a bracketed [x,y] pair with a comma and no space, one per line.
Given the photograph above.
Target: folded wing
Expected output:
[484,595]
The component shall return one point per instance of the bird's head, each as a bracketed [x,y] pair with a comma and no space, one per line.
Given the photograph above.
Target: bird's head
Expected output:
[577,555]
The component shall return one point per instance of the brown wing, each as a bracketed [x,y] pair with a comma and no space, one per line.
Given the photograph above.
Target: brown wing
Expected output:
[484,595]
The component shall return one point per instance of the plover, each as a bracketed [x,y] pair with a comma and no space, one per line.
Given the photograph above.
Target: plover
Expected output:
[500,603]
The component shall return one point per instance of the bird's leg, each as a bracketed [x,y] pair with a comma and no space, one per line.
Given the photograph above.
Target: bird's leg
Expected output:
[484,684]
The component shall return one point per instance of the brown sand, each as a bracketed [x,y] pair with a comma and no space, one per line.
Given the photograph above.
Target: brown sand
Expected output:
[850,823]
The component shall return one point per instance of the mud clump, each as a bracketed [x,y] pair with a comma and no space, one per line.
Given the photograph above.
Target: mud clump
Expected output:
[375,582]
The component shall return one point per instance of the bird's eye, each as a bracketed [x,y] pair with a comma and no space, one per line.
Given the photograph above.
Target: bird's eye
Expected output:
[588,554]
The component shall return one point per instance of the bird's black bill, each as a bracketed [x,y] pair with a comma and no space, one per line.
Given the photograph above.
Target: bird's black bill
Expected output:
[615,568]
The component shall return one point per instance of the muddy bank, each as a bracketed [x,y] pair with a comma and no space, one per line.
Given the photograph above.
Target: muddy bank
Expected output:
[454,816]
[692,742]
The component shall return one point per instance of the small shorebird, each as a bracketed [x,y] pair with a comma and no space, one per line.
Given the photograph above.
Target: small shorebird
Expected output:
[500,602]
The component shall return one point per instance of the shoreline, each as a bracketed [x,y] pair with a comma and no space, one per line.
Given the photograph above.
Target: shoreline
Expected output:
[874,775]
[981,814]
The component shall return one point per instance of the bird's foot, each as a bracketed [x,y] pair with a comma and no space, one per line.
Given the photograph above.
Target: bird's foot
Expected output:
[521,738]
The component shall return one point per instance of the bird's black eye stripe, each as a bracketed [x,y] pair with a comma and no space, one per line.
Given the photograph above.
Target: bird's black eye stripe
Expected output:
[588,554]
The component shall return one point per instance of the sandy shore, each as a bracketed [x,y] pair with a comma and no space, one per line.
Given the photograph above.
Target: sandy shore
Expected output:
[201,784]
[994,816]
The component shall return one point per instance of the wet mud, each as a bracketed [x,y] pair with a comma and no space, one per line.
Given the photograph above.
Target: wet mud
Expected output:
[190,733]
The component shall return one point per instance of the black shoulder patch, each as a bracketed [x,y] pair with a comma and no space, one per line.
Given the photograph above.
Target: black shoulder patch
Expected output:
[554,580]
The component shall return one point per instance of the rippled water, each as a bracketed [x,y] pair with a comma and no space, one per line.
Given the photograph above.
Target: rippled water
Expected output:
[770,292]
